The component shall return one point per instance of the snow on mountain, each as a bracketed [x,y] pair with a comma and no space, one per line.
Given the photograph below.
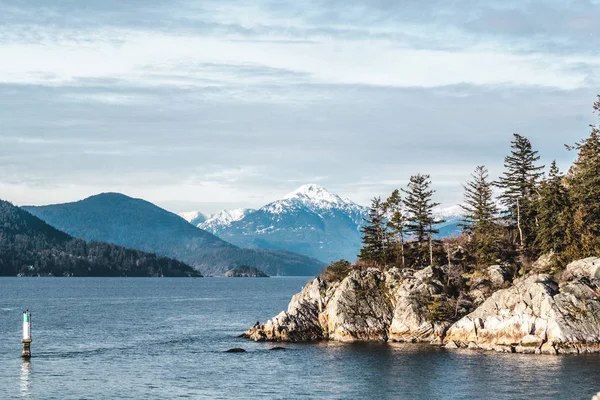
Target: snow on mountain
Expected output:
[309,220]
[452,216]
[194,217]
[224,218]
[317,196]
[316,199]
[448,212]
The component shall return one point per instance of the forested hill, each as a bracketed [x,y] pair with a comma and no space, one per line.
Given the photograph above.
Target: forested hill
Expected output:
[29,246]
[119,219]
[136,223]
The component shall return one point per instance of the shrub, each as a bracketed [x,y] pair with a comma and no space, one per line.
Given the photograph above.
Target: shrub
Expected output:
[337,271]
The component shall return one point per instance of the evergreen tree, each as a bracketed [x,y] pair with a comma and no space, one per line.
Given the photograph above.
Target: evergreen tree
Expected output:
[395,225]
[374,234]
[519,182]
[583,181]
[480,216]
[552,213]
[420,221]
[480,210]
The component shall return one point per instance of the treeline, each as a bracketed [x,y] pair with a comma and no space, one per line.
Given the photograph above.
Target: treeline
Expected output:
[535,213]
[30,247]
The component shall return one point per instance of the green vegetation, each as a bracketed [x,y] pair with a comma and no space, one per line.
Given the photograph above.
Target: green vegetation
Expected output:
[337,271]
[138,224]
[539,214]
[30,247]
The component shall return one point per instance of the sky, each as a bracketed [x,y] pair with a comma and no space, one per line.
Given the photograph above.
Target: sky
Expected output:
[205,105]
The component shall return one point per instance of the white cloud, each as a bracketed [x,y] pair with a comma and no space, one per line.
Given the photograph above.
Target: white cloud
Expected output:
[151,58]
[212,103]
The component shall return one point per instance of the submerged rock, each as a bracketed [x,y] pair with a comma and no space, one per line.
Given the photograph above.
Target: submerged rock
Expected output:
[236,350]
[538,315]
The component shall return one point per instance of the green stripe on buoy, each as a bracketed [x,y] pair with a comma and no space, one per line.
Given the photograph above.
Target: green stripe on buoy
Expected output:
[25,317]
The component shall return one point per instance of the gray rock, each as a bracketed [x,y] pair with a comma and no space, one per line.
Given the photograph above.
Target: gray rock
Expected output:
[538,314]
[367,306]
[236,350]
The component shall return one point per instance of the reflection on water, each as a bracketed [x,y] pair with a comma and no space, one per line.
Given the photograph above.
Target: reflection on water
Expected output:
[25,378]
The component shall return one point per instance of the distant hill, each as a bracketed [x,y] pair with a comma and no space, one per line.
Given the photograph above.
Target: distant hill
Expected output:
[136,223]
[29,246]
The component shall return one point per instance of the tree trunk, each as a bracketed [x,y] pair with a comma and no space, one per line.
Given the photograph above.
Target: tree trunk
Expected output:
[519,224]
[402,249]
[430,245]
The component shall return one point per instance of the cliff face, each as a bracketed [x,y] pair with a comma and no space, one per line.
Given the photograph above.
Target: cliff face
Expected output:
[367,305]
[537,314]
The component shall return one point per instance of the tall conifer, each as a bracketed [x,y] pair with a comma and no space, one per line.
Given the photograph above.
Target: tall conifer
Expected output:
[583,182]
[479,209]
[553,216]
[395,224]
[374,234]
[519,182]
[420,220]
[480,216]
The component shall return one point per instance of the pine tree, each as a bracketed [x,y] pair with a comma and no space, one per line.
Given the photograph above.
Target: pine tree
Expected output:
[480,217]
[519,182]
[395,225]
[583,181]
[552,213]
[420,221]
[480,210]
[374,234]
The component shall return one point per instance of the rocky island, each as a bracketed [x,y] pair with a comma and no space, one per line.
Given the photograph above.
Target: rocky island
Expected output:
[541,296]
[245,271]
[538,313]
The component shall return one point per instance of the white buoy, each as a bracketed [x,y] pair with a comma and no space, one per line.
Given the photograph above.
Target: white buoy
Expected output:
[26,334]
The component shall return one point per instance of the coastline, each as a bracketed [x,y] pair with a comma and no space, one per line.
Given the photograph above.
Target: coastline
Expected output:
[535,314]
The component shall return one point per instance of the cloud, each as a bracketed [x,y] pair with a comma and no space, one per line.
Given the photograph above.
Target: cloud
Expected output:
[236,103]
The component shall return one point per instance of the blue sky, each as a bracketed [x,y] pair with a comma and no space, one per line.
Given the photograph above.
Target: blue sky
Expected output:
[220,104]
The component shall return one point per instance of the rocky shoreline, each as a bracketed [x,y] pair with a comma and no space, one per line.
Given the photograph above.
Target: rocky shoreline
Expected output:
[537,313]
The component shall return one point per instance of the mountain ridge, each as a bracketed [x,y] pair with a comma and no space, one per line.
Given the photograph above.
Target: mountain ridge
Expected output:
[137,223]
[30,247]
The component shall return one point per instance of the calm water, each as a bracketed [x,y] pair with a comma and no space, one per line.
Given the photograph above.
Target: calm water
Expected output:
[165,338]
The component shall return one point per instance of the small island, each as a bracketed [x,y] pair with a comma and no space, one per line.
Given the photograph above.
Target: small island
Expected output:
[245,271]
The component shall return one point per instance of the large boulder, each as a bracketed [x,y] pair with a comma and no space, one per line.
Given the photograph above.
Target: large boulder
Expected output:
[412,321]
[537,315]
[485,282]
[301,321]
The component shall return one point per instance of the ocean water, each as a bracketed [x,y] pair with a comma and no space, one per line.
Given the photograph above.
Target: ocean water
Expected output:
[136,338]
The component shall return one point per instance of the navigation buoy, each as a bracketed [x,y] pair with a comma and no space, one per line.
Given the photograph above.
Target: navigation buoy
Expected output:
[26,334]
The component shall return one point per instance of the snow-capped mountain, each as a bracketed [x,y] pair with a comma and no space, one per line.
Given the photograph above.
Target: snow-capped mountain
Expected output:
[310,220]
[452,216]
[223,219]
[194,217]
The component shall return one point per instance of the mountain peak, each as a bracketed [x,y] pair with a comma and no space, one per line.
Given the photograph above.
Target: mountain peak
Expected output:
[315,193]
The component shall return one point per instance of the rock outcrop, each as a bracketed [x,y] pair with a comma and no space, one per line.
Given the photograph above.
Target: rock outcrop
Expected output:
[538,314]
[245,272]
[368,305]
